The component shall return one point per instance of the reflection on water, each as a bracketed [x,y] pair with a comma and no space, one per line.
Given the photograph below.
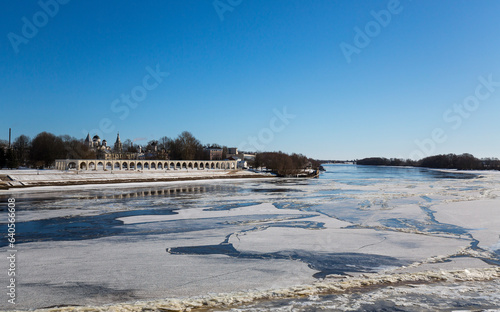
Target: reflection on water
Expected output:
[119,193]
[124,200]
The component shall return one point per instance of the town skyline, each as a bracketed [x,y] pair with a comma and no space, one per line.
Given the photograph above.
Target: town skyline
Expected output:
[161,149]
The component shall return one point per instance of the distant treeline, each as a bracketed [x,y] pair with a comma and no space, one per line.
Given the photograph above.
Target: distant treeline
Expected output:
[284,164]
[449,161]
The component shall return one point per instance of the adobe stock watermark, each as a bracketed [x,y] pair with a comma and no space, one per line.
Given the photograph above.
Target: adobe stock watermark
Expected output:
[455,116]
[224,6]
[12,251]
[130,100]
[277,123]
[363,37]
[30,28]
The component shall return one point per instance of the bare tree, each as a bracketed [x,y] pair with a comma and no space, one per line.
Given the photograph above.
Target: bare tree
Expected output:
[188,144]
[45,149]
[77,149]
[21,146]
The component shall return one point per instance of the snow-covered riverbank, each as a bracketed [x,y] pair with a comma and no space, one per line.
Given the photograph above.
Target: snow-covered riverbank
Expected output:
[28,178]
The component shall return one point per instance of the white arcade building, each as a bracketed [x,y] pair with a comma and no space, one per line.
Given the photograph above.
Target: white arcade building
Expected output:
[137,164]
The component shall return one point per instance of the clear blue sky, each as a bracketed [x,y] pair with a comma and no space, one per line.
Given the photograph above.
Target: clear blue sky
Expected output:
[232,65]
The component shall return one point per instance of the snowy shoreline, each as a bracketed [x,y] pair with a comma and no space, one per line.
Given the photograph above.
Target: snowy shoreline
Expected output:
[12,179]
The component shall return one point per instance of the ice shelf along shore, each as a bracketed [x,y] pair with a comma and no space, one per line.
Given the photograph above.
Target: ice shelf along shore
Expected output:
[356,237]
[12,179]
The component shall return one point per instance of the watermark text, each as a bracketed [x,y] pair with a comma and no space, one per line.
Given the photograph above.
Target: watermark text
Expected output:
[363,36]
[277,123]
[455,117]
[129,101]
[224,6]
[11,251]
[30,28]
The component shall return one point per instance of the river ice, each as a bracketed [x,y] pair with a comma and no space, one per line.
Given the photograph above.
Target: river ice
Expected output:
[142,243]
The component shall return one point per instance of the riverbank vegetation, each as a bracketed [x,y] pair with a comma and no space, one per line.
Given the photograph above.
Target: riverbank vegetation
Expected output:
[284,164]
[444,161]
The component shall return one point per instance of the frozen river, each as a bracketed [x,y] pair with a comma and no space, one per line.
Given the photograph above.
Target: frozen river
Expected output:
[133,245]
